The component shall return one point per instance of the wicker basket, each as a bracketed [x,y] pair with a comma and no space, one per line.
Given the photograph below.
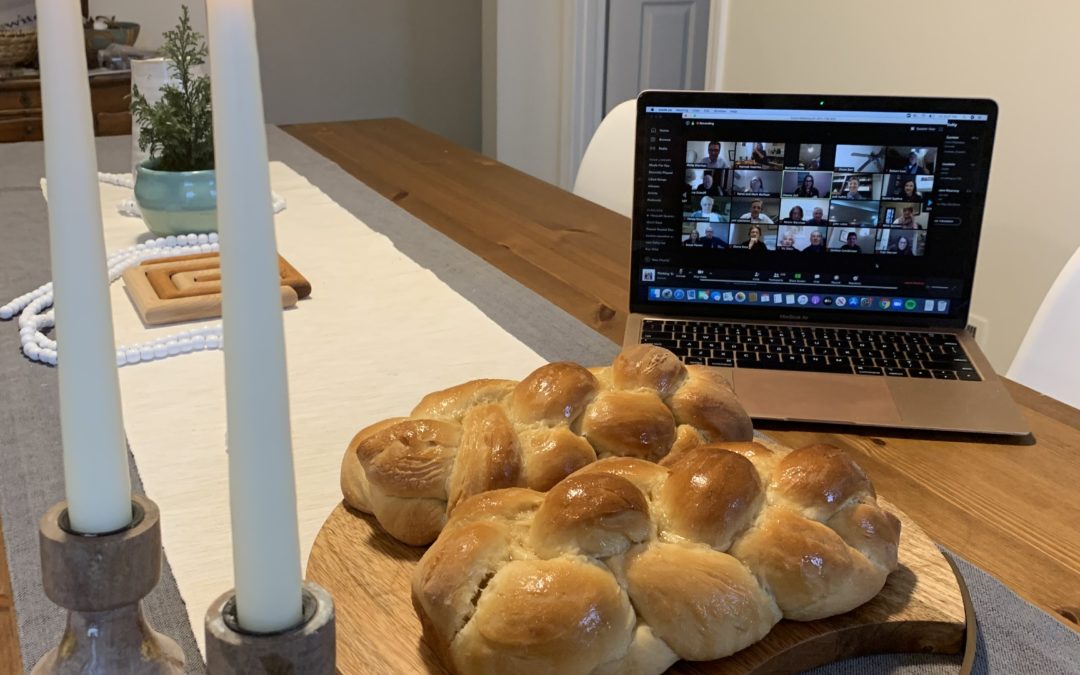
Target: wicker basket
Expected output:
[17,47]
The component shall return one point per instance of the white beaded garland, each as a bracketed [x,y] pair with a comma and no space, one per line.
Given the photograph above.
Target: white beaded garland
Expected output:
[33,318]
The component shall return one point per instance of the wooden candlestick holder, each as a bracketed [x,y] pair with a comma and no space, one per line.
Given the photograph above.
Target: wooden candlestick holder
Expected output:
[101,580]
[307,649]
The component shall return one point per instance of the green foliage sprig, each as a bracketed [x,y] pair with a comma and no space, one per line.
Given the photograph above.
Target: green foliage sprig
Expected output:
[178,129]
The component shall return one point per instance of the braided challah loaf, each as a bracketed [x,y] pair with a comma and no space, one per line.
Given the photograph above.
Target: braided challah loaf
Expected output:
[483,435]
[627,566]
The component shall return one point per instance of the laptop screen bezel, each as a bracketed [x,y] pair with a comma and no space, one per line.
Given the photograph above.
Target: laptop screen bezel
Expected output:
[959,307]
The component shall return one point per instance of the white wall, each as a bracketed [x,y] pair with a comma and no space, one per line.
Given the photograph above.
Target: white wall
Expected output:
[352,59]
[523,85]
[1022,54]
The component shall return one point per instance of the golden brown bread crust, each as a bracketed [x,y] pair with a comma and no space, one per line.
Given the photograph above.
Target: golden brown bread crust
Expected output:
[491,434]
[711,496]
[557,392]
[411,458]
[646,367]
[488,457]
[354,485]
[695,558]
[453,403]
[545,616]
[706,402]
[703,603]
[820,479]
[629,424]
[598,514]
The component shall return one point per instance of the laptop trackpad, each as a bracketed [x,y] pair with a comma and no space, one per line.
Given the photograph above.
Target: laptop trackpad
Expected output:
[819,397]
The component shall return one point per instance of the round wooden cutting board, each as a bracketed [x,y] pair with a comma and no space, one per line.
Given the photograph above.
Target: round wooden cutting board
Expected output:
[924,608]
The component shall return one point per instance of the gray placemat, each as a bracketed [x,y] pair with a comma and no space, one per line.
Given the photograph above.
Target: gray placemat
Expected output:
[1013,635]
[31,470]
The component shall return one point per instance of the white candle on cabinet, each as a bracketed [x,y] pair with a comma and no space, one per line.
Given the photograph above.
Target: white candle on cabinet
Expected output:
[262,491]
[96,479]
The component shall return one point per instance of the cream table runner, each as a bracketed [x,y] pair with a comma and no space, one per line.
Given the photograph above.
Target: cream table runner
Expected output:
[378,332]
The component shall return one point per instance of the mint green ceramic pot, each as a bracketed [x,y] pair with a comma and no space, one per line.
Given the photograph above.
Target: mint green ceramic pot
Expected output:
[176,202]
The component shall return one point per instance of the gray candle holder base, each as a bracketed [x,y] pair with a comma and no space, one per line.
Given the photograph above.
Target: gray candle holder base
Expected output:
[308,649]
[101,581]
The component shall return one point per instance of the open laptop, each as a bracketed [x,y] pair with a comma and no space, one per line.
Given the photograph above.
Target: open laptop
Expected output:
[820,252]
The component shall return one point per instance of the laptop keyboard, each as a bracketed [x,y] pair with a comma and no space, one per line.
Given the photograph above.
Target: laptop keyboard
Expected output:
[886,353]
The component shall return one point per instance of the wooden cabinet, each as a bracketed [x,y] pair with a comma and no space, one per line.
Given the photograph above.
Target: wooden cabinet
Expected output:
[20,107]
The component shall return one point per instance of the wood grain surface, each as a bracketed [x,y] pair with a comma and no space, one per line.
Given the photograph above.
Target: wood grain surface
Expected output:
[368,572]
[1010,509]
[10,659]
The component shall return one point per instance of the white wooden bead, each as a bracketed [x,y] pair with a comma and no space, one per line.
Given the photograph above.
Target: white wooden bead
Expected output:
[6,312]
[202,239]
[32,351]
[184,344]
[132,355]
[172,347]
[146,352]
[160,350]
[213,341]
[213,237]
[170,240]
[198,343]
[121,357]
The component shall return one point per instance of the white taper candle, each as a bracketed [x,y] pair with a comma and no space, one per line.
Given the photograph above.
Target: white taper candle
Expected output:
[96,481]
[262,490]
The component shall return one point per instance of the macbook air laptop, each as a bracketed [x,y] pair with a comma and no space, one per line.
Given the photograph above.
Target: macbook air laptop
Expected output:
[819,251]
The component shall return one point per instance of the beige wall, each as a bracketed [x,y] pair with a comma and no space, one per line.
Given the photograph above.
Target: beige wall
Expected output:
[355,59]
[1022,54]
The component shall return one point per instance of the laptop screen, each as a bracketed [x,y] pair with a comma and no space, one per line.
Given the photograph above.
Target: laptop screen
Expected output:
[839,209]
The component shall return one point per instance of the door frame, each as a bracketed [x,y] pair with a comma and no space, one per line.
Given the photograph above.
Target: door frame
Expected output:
[584,63]
[581,49]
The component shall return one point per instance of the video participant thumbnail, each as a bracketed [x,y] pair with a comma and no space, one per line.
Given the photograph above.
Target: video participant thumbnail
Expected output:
[710,154]
[901,242]
[705,235]
[856,186]
[906,187]
[754,237]
[708,209]
[757,155]
[807,183]
[916,161]
[755,182]
[904,215]
[860,158]
[701,182]
[852,240]
[851,212]
[808,239]
[756,210]
[812,157]
[796,210]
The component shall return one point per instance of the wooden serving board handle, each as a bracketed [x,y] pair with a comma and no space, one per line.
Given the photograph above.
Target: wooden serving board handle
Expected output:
[922,609]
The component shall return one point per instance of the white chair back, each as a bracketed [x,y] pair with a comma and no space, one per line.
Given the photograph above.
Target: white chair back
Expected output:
[1049,357]
[606,174]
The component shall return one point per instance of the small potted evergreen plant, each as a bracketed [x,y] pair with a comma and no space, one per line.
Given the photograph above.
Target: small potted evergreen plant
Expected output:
[175,189]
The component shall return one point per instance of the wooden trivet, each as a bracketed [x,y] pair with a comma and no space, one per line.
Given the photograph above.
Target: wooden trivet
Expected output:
[188,288]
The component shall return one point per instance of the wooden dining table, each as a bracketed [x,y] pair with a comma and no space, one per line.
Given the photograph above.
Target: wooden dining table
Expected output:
[1011,508]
